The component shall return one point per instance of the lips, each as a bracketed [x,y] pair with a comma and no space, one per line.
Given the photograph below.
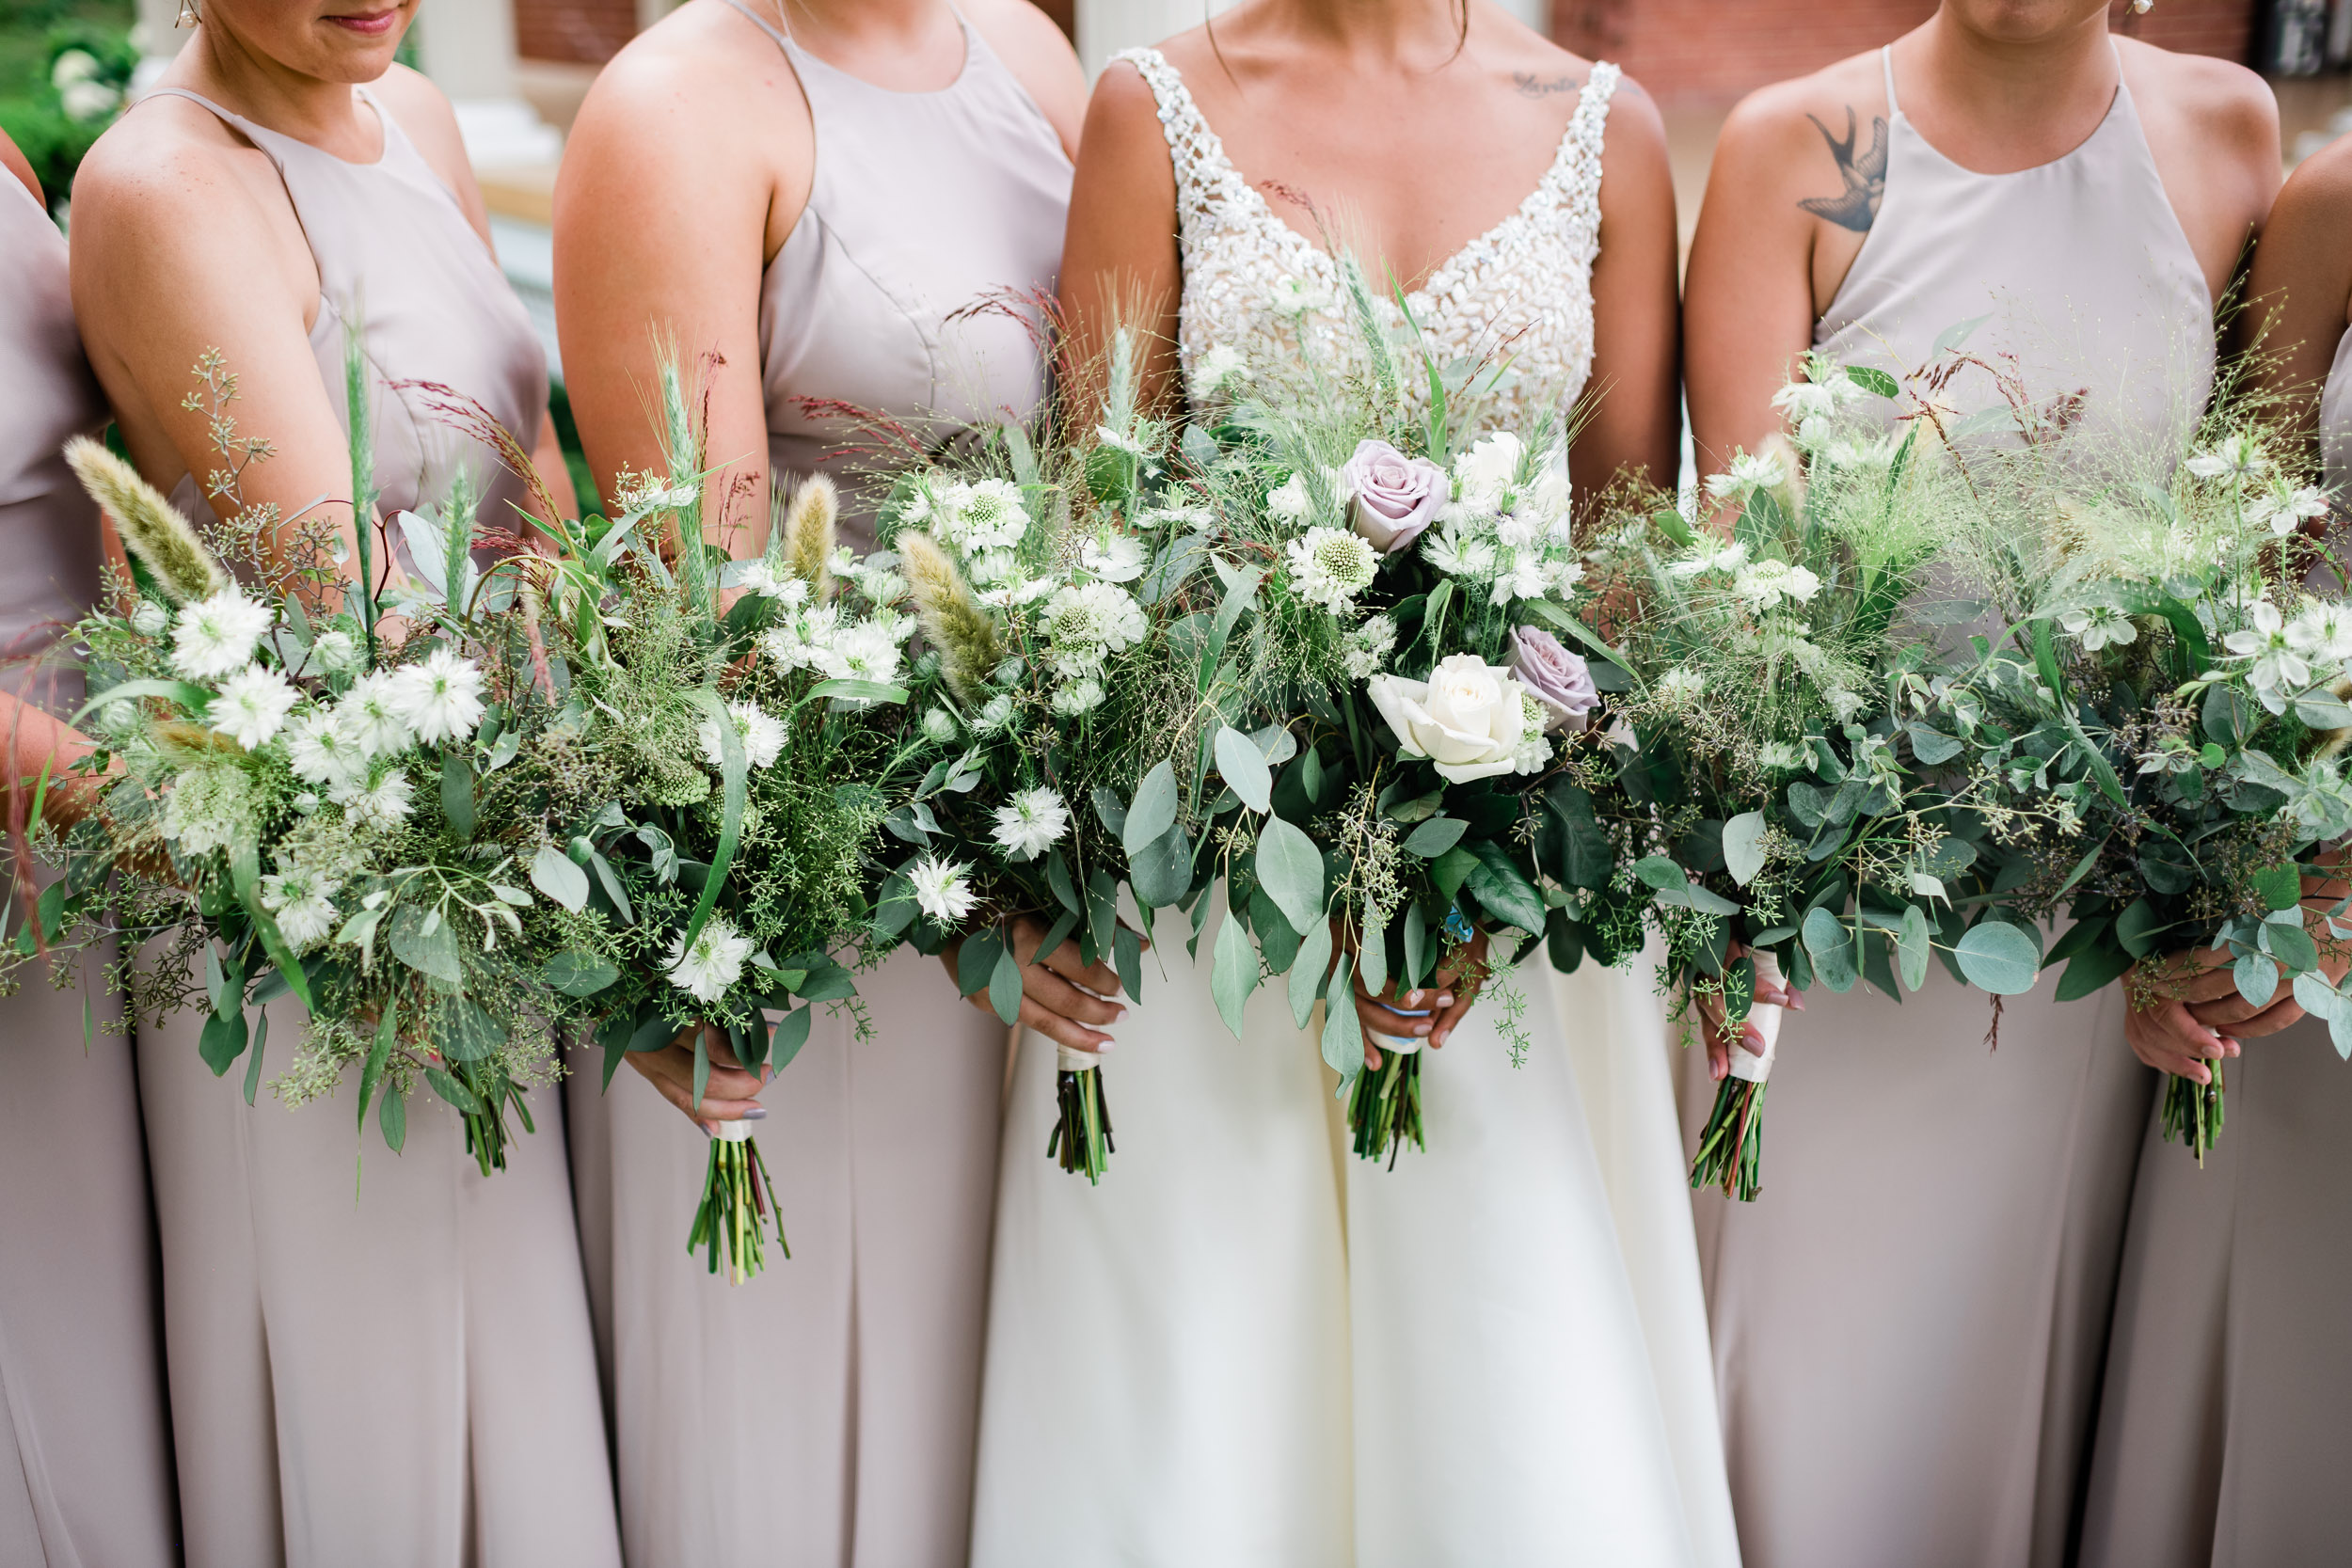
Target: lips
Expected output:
[368,23]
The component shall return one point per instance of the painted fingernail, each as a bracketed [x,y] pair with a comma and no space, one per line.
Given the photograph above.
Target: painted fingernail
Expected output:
[1422,1027]
[1716,1070]
[1106,1043]
[1752,1038]
[757,1113]
[1445,999]
[1412,999]
[1436,1042]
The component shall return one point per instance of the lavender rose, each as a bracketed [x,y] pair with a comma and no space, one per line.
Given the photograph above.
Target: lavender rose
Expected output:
[1560,680]
[1396,496]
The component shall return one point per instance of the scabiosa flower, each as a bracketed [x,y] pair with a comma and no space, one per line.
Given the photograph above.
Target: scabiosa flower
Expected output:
[217,634]
[1329,566]
[762,736]
[371,717]
[2275,662]
[1083,695]
[1765,583]
[1706,557]
[384,804]
[151,619]
[713,963]
[1032,822]
[1086,621]
[1118,558]
[2238,457]
[210,808]
[868,651]
[2098,627]
[322,751]
[985,515]
[302,903]
[1748,474]
[2286,510]
[439,697]
[943,889]
[252,706]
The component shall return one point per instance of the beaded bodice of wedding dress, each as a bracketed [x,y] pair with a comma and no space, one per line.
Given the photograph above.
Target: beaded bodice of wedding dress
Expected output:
[1519,295]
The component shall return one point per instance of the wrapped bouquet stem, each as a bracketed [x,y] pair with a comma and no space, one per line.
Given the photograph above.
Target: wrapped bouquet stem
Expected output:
[1081,1138]
[1731,1148]
[737,1197]
[1384,1106]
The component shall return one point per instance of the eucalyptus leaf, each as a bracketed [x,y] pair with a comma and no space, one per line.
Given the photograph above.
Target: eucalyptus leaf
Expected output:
[1305,975]
[2000,957]
[1235,974]
[1243,768]
[1744,847]
[553,874]
[1290,868]
[1829,942]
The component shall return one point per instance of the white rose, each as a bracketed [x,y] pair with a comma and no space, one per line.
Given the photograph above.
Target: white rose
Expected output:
[1468,717]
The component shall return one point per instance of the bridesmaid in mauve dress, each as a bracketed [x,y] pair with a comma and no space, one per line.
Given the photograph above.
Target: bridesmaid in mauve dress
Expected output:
[1909,1321]
[2220,1430]
[805,200]
[374,1360]
[85,1445]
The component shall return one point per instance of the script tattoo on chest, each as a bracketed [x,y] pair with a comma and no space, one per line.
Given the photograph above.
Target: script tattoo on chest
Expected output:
[1865,174]
[1532,86]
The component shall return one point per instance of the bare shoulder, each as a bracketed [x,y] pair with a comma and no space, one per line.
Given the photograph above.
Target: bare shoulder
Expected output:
[1792,117]
[2217,97]
[680,93]
[1123,113]
[166,164]
[1034,49]
[426,119]
[2312,217]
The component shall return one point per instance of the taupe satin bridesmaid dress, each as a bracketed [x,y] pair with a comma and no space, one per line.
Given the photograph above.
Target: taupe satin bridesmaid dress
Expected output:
[1910,1320]
[824,1412]
[85,1444]
[2221,1431]
[378,1361]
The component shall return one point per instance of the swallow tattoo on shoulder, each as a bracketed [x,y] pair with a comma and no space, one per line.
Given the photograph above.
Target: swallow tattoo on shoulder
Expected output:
[1857,205]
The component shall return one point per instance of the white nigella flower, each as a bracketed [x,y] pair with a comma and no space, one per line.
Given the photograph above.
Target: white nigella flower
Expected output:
[1846,705]
[216,635]
[1783,754]
[1706,557]
[1083,695]
[1801,401]
[985,515]
[1371,646]
[1748,474]
[2238,457]
[804,641]
[868,651]
[762,736]
[1293,297]
[939,727]
[1459,553]
[943,889]
[252,707]
[151,619]
[1221,364]
[302,903]
[1032,822]
[1085,622]
[210,807]
[2098,627]
[1118,558]
[758,576]
[2286,510]
[1564,575]
[1765,583]
[373,719]
[715,962]
[1535,749]
[385,804]
[439,697]
[2276,664]
[1329,566]
[2323,633]
[323,750]
[1291,500]
[1681,685]
[1519,574]
[1490,467]
[333,652]
[1190,519]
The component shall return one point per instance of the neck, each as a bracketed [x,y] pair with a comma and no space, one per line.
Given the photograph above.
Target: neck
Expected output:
[1415,32]
[852,18]
[266,92]
[2013,81]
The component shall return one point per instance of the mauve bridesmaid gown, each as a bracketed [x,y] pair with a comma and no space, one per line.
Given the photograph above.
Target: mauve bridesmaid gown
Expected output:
[378,1361]
[824,1412]
[1910,1320]
[85,1445]
[2221,1431]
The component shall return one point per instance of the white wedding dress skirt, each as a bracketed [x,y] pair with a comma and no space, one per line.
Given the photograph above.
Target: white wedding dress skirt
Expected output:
[1247,1348]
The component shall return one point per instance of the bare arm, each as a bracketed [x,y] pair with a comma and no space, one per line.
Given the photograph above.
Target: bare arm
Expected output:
[1119,258]
[1637,417]
[664,212]
[2300,294]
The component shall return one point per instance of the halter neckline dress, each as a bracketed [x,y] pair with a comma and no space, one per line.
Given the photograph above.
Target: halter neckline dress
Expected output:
[825,1412]
[401,1374]
[1247,1347]
[85,1439]
[1909,1321]
[2230,1373]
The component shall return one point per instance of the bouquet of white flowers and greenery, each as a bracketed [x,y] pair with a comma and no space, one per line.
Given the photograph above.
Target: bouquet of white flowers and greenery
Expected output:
[325,785]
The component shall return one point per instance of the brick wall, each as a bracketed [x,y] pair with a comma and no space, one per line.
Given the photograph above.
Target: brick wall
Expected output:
[583,32]
[1720,49]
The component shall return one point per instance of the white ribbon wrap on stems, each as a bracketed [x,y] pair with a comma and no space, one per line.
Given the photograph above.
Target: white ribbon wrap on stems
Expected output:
[1075,1061]
[1756,1067]
[735,1132]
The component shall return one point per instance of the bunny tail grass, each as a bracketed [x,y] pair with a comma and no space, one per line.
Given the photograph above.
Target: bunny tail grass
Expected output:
[808,532]
[957,627]
[152,527]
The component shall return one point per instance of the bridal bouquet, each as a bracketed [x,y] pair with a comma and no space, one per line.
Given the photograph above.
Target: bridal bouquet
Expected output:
[2174,697]
[324,806]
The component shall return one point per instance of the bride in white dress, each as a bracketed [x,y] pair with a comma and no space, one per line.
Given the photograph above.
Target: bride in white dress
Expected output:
[1245,1348]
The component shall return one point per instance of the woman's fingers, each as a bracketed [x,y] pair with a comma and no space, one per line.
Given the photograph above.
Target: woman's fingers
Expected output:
[1062,1030]
[1028,935]
[729,1095]
[2251,1023]
[1056,996]
[2168,1038]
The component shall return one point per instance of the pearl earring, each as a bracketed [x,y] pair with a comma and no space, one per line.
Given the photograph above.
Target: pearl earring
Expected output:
[2141,8]
[188,17]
